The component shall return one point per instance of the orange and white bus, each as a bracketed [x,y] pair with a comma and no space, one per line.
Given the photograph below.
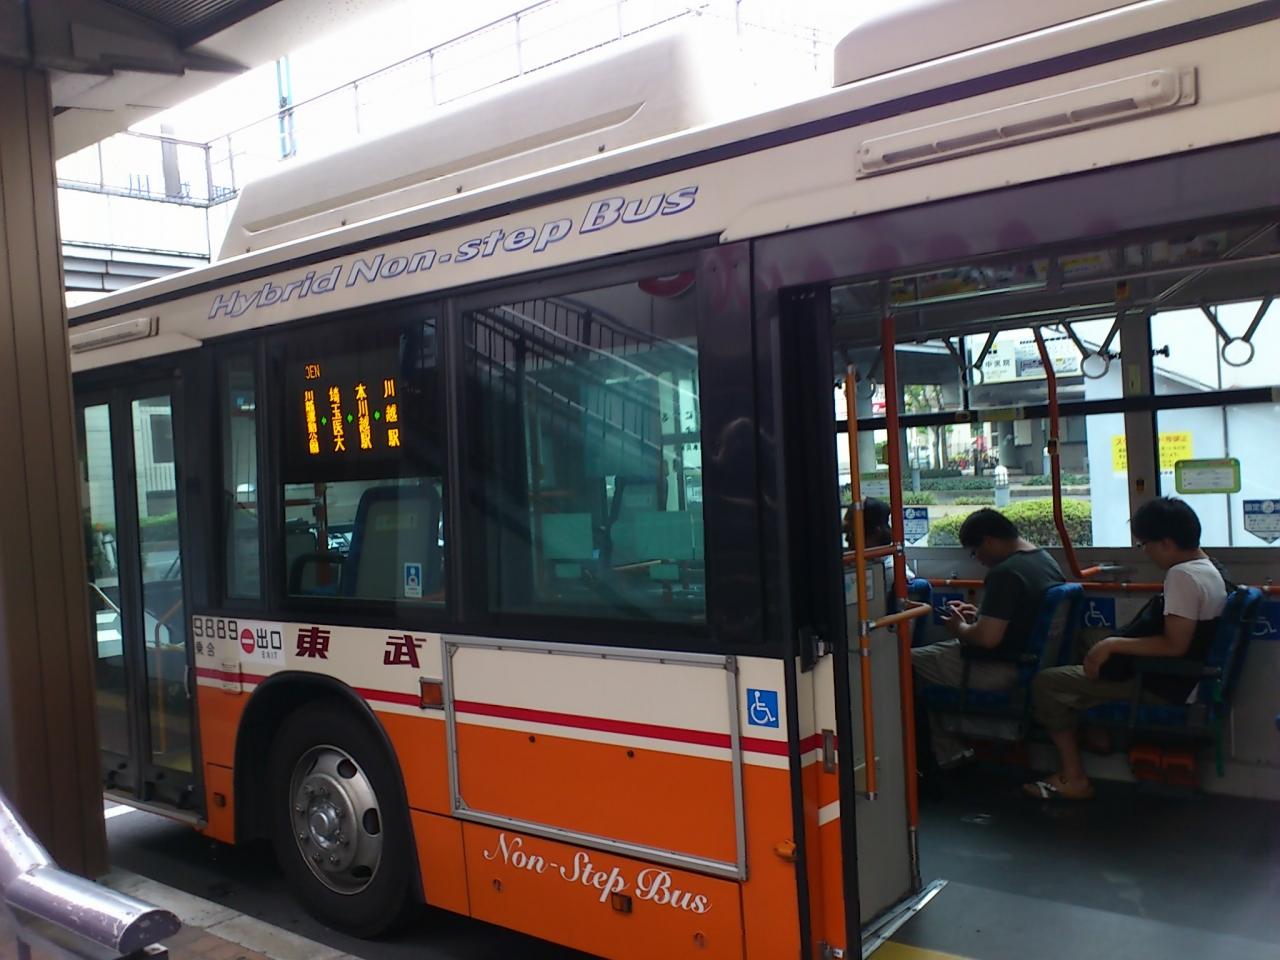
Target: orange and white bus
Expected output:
[471,529]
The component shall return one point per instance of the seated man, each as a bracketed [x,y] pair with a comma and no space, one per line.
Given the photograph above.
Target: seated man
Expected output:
[876,531]
[1168,531]
[992,636]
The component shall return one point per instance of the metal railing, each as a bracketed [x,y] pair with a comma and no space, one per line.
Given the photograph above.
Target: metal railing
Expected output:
[149,167]
[401,94]
[67,916]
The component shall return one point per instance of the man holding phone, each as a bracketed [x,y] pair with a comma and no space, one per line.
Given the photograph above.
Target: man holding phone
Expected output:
[991,637]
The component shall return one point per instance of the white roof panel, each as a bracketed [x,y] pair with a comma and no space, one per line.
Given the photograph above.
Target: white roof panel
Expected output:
[917,31]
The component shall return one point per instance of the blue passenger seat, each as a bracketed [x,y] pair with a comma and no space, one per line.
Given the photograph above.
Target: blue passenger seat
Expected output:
[394,527]
[921,591]
[1053,633]
[1202,716]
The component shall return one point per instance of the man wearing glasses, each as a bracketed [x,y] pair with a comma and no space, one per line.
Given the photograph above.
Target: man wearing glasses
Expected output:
[1179,623]
[990,637]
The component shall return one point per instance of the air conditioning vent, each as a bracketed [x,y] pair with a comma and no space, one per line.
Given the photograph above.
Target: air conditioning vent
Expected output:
[138,328]
[1063,113]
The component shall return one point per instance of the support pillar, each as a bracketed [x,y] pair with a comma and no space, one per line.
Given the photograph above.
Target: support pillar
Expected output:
[864,410]
[48,730]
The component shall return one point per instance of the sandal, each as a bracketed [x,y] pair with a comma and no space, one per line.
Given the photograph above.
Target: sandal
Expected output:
[1053,789]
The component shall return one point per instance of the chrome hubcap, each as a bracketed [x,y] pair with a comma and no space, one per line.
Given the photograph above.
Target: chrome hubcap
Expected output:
[337,823]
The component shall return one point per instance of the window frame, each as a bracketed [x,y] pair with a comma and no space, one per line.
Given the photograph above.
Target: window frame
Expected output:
[167,419]
[345,611]
[603,630]
[746,553]
[250,350]
[1138,402]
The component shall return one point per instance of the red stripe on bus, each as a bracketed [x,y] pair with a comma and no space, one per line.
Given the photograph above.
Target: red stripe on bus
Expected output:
[652,731]
[228,676]
[388,696]
[811,742]
[600,724]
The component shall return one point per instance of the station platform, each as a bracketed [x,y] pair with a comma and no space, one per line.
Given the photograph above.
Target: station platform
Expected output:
[1137,873]
[210,931]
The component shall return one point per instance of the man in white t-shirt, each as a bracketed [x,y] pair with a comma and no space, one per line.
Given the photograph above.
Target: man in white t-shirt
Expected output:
[1168,532]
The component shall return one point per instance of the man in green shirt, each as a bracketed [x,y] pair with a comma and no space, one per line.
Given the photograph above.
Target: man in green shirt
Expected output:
[992,636]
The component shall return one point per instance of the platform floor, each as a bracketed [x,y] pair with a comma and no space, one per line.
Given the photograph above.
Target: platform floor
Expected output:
[1133,874]
[1136,873]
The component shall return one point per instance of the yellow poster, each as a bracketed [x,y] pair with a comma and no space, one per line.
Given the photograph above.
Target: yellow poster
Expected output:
[1119,454]
[1174,446]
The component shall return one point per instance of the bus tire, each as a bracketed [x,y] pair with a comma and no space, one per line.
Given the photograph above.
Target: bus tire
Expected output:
[340,830]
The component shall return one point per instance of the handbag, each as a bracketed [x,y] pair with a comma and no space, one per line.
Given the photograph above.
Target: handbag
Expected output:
[1147,622]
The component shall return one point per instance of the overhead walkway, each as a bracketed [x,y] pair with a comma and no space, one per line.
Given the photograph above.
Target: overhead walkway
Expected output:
[102,268]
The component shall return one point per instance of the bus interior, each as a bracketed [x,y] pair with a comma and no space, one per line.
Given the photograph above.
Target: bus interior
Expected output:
[1011,382]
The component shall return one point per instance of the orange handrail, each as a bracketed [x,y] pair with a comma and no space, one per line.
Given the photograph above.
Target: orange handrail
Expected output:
[1060,521]
[963,584]
[872,553]
[913,611]
[1097,586]
[1125,587]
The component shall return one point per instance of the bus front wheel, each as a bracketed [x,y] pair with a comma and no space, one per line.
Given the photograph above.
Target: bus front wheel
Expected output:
[340,831]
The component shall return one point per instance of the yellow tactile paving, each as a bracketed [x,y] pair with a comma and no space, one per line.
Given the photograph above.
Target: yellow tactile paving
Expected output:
[900,951]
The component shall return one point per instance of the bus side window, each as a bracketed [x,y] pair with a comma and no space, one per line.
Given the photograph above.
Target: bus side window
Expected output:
[242,547]
[363,463]
[586,453]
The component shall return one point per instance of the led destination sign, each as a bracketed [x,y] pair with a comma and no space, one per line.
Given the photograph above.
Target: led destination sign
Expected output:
[345,415]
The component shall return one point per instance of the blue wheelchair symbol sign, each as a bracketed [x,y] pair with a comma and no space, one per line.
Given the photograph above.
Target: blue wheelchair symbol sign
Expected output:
[1267,626]
[762,707]
[1098,613]
[915,523]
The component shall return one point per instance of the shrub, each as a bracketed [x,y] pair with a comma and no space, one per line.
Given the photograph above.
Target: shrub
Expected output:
[971,500]
[1068,480]
[1034,519]
[164,526]
[958,483]
[922,499]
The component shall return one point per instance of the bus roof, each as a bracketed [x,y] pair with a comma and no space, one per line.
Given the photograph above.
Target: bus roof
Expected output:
[657,84]
[921,91]
[917,31]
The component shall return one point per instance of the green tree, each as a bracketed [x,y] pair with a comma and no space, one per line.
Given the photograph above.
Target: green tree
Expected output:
[927,398]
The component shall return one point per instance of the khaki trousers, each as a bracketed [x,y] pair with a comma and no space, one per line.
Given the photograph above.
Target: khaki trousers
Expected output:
[942,664]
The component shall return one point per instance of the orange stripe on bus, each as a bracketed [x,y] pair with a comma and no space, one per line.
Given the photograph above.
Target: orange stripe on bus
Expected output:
[220,712]
[421,749]
[443,862]
[771,925]
[219,803]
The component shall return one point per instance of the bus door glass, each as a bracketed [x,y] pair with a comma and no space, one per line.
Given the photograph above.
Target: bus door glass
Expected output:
[107,635]
[129,468]
[861,863]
